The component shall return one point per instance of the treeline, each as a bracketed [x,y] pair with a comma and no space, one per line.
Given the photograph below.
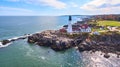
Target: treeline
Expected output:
[107,17]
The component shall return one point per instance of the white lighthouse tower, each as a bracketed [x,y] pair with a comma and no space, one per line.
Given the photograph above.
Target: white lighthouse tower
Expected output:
[69,29]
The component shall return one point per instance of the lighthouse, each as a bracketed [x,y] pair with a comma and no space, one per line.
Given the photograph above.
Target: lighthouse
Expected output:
[69,29]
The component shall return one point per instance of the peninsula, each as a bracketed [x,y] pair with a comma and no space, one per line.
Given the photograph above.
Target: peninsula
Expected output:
[83,35]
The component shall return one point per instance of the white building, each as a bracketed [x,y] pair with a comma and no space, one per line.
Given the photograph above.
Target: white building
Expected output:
[69,29]
[80,26]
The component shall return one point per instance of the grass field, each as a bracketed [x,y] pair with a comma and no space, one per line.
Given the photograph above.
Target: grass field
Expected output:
[108,23]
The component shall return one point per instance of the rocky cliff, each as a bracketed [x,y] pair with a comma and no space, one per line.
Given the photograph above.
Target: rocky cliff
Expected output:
[107,42]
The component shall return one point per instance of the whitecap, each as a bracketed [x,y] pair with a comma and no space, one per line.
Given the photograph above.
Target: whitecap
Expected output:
[42,57]
[37,32]
[69,64]
[10,39]
[1,45]
[76,47]
[14,38]
[28,35]
[96,59]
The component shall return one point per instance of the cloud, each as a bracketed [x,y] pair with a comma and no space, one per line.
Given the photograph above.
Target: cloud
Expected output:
[14,11]
[73,4]
[104,6]
[52,3]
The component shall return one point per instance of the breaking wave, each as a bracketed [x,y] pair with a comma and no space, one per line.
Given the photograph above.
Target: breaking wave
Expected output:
[1,45]
[13,39]
[97,60]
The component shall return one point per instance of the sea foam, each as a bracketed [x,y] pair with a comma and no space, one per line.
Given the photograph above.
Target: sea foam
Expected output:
[14,38]
[1,45]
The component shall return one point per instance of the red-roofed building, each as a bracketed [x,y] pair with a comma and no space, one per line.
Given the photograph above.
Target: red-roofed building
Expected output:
[85,28]
[79,26]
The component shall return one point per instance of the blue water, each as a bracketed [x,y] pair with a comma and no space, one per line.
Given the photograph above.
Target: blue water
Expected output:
[22,54]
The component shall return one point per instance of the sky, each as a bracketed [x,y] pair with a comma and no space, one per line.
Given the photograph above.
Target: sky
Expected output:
[58,7]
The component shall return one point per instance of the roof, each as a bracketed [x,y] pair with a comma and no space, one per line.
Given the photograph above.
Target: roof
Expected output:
[75,29]
[84,26]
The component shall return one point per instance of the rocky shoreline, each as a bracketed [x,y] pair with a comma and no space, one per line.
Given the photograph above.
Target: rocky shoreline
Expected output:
[96,59]
[107,43]
[51,39]
[4,43]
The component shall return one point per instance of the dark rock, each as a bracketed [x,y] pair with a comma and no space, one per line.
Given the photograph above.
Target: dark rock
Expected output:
[72,43]
[106,55]
[13,40]
[77,41]
[118,56]
[81,48]
[47,42]
[31,39]
[22,38]
[4,42]
[60,46]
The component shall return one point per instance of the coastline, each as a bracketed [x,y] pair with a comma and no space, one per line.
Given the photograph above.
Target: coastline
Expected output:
[62,41]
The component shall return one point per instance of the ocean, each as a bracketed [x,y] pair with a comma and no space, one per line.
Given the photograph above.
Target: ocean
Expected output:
[22,54]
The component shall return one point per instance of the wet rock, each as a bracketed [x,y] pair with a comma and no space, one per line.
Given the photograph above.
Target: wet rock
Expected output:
[4,42]
[72,43]
[81,48]
[30,39]
[13,40]
[77,41]
[106,55]
[22,38]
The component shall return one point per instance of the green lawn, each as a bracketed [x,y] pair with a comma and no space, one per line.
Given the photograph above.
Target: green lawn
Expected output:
[108,23]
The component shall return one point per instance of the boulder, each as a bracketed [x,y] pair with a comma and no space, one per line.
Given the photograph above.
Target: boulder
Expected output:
[77,41]
[106,55]
[60,45]
[81,48]
[4,42]
[84,47]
